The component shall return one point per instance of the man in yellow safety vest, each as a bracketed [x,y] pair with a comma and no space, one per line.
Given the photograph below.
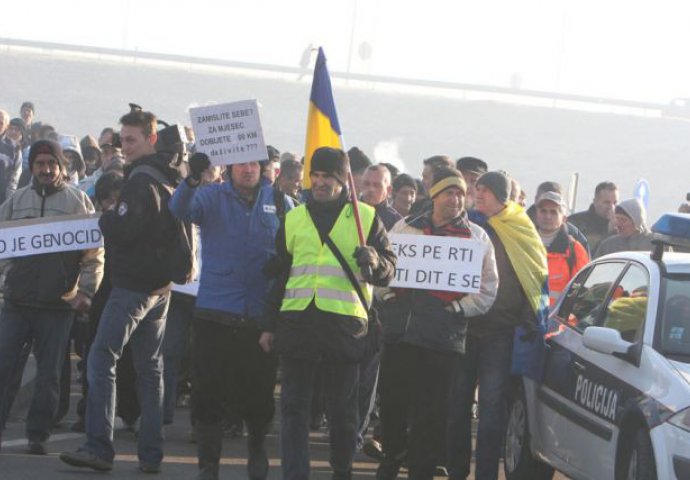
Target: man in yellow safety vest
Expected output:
[317,312]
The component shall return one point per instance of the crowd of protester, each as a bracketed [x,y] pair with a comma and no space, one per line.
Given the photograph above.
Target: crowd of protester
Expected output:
[285,284]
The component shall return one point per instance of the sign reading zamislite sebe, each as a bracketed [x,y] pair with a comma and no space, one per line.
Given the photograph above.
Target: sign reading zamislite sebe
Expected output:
[229,133]
[20,238]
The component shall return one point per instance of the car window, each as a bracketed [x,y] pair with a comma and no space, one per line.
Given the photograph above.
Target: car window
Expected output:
[586,296]
[628,306]
[675,330]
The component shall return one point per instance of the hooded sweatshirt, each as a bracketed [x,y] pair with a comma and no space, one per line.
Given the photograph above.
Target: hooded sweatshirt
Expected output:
[640,241]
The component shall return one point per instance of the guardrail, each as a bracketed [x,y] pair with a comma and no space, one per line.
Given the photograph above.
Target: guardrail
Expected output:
[673,109]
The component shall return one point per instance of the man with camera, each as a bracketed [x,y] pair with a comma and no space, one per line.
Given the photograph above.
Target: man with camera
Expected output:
[139,229]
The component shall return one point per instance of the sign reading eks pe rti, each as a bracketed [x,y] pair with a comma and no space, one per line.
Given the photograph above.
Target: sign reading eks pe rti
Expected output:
[229,133]
[430,262]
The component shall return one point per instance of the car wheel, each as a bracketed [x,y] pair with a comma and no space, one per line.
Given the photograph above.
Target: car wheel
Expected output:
[638,458]
[519,464]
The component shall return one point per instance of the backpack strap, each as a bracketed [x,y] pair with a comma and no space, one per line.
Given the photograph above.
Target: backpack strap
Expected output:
[154,173]
[572,257]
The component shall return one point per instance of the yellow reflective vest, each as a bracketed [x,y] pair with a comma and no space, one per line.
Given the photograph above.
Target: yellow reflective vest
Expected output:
[316,273]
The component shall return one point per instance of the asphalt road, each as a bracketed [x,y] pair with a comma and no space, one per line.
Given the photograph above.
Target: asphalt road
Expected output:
[180,454]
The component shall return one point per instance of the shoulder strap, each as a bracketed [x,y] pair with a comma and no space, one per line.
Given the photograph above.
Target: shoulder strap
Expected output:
[571,258]
[279,201]
[348,270]
[154,173]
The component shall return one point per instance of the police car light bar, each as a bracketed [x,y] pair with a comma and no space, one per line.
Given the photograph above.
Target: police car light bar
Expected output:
[671,229]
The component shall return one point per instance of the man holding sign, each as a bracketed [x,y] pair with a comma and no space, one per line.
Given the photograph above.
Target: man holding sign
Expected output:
[424,327]
[43,290]
[238,220]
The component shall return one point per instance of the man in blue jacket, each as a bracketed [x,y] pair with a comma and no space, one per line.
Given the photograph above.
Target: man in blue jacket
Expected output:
[238,222]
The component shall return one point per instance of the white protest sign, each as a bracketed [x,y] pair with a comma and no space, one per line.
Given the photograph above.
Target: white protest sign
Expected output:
[229,133]
[437,263]
[20,238]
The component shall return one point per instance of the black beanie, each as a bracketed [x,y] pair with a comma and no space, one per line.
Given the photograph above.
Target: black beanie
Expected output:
[332,161]
[45,146]
[498,183]
[358,159]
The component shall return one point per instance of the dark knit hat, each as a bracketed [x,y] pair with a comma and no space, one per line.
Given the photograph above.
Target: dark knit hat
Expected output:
[46,146]
[273,153]
[332,161]
[19,123]
[27,104]
[498,183]
[358,159]
[472,165]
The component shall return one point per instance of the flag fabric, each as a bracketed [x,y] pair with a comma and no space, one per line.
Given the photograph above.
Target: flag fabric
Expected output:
[323,129]
[528,257]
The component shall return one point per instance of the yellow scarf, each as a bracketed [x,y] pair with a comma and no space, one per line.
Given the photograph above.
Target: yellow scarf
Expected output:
[526,252]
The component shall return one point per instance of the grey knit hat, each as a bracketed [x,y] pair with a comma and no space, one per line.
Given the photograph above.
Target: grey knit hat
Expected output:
[498,183]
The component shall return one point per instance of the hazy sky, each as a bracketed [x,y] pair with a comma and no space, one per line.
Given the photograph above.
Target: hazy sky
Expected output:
[634,50]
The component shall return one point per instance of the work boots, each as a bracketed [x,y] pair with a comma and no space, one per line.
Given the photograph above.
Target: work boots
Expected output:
[209,442]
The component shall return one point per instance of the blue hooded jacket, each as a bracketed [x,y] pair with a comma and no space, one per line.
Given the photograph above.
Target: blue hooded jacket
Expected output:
[237,239]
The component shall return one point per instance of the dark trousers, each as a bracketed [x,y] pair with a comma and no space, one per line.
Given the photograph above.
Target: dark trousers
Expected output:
[486,363]
[230,359]
[368,381]
[49,330]
[341,386]
[176,346]
[415,382]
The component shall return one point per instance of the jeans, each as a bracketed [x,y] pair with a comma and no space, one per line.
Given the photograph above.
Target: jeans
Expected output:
[49,330]
[341,385]
[175,345]
[487,363]
[138,318]
[14,384]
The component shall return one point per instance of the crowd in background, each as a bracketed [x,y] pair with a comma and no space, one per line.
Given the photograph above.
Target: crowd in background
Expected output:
[402,392]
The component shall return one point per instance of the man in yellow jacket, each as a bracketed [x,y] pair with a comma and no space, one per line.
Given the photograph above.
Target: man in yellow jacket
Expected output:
[317,314]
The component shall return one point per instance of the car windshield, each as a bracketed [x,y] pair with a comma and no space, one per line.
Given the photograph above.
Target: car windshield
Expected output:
[675,324]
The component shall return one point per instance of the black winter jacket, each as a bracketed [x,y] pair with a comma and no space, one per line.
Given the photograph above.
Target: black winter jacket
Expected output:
[140,227]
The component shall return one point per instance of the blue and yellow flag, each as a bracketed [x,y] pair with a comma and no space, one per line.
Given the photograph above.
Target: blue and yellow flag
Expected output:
[528,257]
[323,129]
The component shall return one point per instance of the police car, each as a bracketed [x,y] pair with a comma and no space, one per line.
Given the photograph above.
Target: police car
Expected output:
[614,399]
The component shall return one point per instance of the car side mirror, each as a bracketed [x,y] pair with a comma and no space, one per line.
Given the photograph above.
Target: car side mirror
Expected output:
[605,340]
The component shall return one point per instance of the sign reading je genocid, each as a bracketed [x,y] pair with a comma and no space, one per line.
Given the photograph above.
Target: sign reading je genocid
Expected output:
[229,133]
[20,238]
[437,263]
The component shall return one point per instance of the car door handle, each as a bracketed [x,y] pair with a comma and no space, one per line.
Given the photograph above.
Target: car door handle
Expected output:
[579,366]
